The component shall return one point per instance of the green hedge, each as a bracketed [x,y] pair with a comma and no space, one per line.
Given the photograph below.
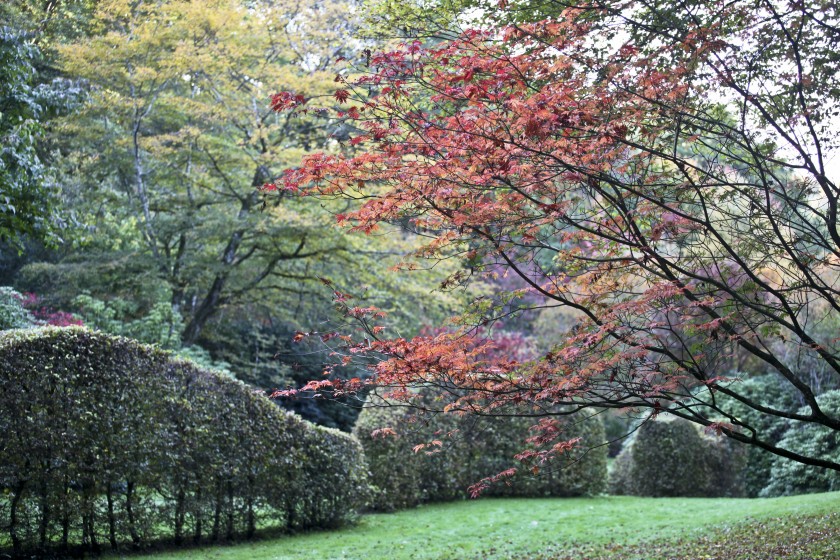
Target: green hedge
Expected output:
[471,449]
[109,443]
[673,457]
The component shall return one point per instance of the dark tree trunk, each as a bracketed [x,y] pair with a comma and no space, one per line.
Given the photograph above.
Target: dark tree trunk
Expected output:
[129,510]
[13,516]
[112,524]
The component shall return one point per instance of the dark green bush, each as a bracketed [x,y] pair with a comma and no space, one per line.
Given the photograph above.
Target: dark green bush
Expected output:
[470,449]
[770,391]
[789,477]
[673,457]
[106,442]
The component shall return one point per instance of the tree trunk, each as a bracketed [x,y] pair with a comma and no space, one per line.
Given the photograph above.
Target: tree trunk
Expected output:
[210,304]
[230,515]
[179,515]
[45,514]
[129,510]
[198,514]
[13,518]
[112,525]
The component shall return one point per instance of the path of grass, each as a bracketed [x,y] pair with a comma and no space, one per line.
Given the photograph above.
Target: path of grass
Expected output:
[518,528]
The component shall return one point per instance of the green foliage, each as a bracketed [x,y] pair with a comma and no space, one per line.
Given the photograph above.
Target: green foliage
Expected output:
[671,457]
[769,391]
[48,21]
[13,315]
[110,443]
[26,200]
[461,451]
[161,325]
[172,242]
[790,477]
[443,18]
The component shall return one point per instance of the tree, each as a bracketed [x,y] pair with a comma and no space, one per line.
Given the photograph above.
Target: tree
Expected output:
[181,130]
[163,166]
[658,170]
[27,197]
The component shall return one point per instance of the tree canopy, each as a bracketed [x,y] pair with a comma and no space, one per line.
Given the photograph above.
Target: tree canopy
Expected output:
[658,170]
[156,172]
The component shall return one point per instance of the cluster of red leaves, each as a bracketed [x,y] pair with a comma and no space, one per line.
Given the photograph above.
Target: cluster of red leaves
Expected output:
[48,316]
[286,100]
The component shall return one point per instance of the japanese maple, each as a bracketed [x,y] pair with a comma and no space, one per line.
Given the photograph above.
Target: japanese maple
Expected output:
[666,181]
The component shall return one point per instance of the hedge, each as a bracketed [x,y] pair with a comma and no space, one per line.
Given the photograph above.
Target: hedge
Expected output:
[109,443]
[471,448]
[671,457]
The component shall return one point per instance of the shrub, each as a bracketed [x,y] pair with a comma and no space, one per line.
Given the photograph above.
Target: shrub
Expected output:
[466,450]
[13,314]
[671,457]
[770,391]
[790,477]
[106,441]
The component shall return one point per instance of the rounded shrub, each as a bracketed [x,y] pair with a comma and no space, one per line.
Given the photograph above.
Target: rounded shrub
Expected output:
[790,477]
[109,443]
[671,456]
[461,451]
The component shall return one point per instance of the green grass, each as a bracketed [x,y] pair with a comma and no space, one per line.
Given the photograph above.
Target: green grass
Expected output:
[519,528]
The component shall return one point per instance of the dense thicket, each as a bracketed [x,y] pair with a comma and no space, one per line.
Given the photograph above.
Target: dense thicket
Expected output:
[673,457]
[461,451]
[106,442]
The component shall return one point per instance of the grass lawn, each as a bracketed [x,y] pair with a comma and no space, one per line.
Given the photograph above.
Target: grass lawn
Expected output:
[608,527]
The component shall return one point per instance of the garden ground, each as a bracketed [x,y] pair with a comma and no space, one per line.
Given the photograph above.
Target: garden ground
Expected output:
[608,528]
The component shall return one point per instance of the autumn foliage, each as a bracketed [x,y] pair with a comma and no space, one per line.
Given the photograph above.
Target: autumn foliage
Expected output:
[660,172]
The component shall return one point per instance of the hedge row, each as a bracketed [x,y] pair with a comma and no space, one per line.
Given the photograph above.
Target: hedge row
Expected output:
[470,449]
[670,456]
[106,442]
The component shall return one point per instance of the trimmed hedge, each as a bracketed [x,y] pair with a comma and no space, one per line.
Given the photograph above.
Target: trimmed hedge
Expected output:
[672,457]
[106,442]
[471,449]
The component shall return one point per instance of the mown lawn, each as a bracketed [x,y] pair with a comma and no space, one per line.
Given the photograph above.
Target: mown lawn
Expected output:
[549,529]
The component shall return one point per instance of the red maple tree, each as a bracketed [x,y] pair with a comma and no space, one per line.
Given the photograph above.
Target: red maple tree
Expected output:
[663,177]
